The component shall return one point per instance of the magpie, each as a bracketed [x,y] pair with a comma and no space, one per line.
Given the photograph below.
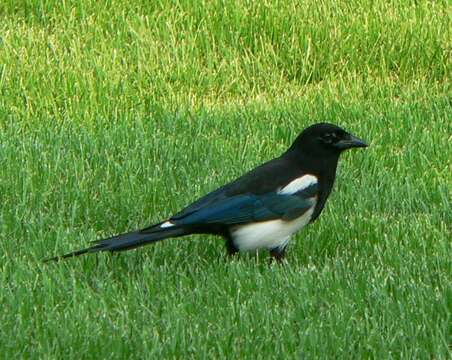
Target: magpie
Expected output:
[261,209]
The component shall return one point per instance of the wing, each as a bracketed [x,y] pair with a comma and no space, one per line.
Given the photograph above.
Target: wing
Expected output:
[246,208]
[261,180]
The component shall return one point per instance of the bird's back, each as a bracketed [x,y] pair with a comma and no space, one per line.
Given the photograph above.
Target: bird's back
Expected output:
[266,178]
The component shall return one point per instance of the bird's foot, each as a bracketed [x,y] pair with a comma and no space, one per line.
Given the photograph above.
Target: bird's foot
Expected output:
[277,255]
[231,249]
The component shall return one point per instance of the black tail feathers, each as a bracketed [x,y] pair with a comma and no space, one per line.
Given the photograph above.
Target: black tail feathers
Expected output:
[127,241]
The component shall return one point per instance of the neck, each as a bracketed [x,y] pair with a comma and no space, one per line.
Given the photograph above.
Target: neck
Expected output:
[321,165]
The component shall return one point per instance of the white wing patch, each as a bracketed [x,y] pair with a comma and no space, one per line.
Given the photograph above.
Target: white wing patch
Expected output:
[275,233]
[298,184]
[167,224]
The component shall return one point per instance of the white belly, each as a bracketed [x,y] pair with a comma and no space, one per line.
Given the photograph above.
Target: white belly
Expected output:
[268,234]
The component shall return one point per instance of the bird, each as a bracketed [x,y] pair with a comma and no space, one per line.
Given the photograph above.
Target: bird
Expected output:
[261,209]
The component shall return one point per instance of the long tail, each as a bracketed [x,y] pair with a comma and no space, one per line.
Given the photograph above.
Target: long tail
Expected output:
[127,241]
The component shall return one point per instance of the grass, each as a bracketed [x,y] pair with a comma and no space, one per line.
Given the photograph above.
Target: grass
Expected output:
[116,114]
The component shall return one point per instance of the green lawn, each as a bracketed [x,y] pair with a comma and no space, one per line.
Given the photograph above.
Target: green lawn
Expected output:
[118,113]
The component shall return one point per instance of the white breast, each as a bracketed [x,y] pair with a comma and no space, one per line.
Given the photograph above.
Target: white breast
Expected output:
[274,233]
[268,234]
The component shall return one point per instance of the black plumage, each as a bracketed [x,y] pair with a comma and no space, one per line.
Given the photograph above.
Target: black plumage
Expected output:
[270,202]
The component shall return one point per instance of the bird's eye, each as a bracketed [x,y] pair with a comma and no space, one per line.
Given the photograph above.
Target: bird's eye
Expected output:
[330,138]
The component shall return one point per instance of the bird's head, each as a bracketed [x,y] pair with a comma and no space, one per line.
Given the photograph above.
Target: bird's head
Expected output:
[325,139]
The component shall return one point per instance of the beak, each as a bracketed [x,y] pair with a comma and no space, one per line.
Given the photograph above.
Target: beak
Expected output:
[350,142]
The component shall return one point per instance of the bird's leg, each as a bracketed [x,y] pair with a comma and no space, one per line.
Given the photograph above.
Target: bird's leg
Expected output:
[277,255]
[230,247]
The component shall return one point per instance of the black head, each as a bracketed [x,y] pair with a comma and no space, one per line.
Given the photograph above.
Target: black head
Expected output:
[325,139]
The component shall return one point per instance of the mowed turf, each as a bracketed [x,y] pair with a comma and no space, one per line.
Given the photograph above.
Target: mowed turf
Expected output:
[115,114]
